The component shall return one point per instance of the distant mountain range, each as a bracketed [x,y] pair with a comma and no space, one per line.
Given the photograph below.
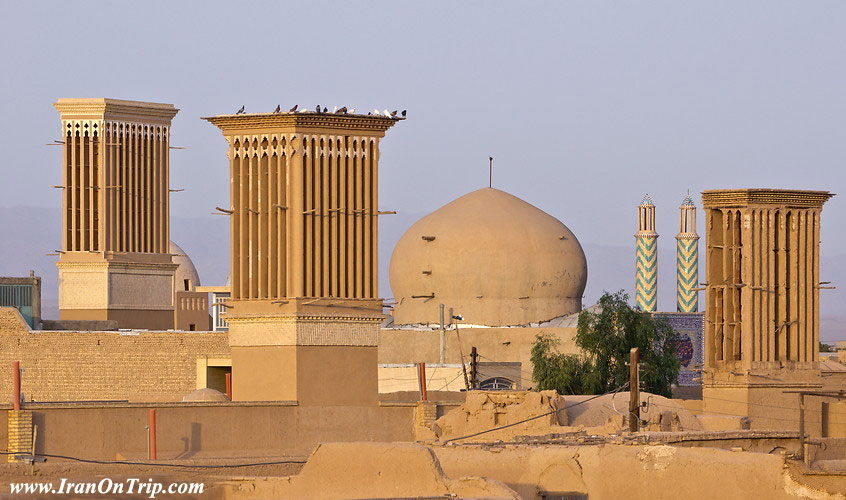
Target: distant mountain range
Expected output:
[29,233]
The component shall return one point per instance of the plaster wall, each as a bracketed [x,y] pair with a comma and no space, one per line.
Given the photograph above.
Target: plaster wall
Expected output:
[264,373]
[184,430]
[191,308]
[766,407]
[834,419]
[125,318]
[493,344]
[633,472]
[310,375]
[403,378]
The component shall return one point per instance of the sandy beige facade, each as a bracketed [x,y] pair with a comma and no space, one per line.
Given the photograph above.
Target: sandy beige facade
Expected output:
[98,366]
[762,305]
[114,262]
[304,226]
[508,269]
[405,345]
[491,258]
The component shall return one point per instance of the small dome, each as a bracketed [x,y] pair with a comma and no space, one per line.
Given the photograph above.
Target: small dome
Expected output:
[185,271]
[205,395]
[490,257]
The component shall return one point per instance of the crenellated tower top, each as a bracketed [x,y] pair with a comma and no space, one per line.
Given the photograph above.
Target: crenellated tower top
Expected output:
[646,218]
[687,218]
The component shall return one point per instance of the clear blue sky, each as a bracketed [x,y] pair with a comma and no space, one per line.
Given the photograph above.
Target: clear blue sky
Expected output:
[584,105]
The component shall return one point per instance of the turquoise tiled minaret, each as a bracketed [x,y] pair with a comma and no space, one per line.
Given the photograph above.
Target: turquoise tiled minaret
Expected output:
[687,258]
[646,259]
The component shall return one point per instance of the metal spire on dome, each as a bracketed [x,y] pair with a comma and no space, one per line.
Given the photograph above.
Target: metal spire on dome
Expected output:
[688,201]
[646,201]
[490,172]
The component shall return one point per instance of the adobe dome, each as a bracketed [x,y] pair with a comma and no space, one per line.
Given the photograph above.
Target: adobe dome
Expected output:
[491,257]
[185,271]
[205,395]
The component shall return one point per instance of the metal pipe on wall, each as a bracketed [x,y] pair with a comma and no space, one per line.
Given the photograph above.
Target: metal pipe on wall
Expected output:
[152,455]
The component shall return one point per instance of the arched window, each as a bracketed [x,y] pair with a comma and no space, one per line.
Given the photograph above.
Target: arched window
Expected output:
[496,384]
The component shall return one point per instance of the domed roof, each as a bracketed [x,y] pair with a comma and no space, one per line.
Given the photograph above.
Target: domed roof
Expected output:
[490,257]
[185,271]
[205,394]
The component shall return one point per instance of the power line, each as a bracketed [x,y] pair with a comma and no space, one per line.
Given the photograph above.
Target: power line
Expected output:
[450,382]
[763,404]
[706,413]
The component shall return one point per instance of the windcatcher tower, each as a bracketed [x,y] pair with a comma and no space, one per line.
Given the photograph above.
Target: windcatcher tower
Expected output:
[762,304]
[646,259]
[687,259]
[114,263]
[305,310]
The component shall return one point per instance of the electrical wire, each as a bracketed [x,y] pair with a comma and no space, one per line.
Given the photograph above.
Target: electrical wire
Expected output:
[431,375]
[710,397]
[766,405]
[154,464]
[450,382]
[538,416]
[720,413]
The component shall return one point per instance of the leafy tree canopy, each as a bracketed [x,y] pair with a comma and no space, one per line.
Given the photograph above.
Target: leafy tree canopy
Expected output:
[605,338]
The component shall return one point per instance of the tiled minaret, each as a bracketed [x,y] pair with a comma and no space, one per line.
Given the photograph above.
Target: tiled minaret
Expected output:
[646,275]
[687,258]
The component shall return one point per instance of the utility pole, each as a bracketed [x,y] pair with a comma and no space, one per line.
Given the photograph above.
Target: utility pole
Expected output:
[802,455]
[442,356]
[634,390]
[461,352]
[474,365]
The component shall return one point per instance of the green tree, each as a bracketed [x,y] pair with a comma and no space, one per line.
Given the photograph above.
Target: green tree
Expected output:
[605,338]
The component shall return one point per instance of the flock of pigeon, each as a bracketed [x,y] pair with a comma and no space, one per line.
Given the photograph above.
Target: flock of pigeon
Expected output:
[341,111]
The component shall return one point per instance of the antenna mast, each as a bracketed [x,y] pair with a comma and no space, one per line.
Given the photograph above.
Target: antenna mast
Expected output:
[490,172]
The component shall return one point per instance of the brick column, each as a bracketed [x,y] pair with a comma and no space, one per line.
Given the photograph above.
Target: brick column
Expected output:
[20,433]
